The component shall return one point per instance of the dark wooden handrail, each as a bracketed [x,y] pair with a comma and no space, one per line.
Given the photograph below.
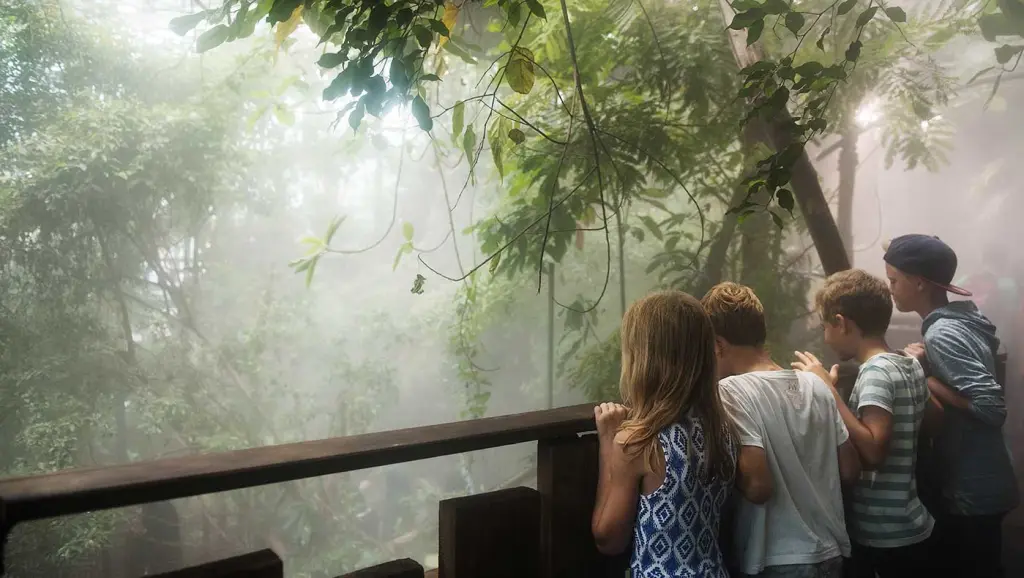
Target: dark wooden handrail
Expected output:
[84,490]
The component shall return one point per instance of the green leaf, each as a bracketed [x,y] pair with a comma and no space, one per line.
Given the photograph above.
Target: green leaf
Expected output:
[754,32]
[853,52]
[438,27]
[494,139]
[513,11]
[1006,52]
[281,10]
[1014,9]
[469,144]
[299,265]
[311,269]
[761,66]
[398,76]
[331,59]
[516,136]
[809,69]
[794,21]
[537,8]
[182,25]
[458,118]
[773,7]
[494,263]
[284,115]
[430,78]
[744,5]
[212,38]
[821,39]
[459,51]
[421,112]
[655,193]
[356,116]
[405,248]
[519,71]
[407,231]
[332,229]
[998,24]
[423,36]
[378,19]
[866,16]
[652,227]
[777,219]
[845,7]
[785,199]
[896,14]
[745,19]
[417,284]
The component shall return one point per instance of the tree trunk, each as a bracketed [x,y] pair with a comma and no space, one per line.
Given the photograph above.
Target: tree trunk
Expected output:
[806,187]
[847,182]
[718,252]
[756,261]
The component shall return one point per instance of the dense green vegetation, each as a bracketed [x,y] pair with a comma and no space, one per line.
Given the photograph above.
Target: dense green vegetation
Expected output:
[488,159]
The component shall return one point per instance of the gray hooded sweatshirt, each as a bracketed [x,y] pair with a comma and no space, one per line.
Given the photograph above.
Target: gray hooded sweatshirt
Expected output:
[977,474]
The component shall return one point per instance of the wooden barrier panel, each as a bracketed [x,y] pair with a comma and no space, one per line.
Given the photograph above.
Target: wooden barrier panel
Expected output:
[491,535]
[404,568]
[261,564]
[567,482]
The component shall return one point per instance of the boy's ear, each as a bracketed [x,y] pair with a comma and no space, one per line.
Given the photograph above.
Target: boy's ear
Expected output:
[720,345]
[842,323]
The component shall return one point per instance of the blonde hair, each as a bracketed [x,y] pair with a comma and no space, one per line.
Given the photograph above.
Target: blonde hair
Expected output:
[736,314]
[668,370]
[858,296]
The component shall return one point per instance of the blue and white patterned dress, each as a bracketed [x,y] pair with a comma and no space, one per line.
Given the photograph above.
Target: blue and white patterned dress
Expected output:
[676,534]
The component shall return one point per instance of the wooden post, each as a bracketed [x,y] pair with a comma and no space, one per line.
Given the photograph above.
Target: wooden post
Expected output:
[261,564]
[492,535]
[567,482]
[551,335]
[404,568]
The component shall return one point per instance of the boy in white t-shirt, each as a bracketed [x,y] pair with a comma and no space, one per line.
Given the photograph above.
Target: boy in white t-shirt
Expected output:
[795,451]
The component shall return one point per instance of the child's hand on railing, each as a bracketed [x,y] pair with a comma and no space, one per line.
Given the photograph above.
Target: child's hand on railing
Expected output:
[609,416]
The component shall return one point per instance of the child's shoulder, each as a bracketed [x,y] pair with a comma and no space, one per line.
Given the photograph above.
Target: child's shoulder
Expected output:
[889,367]
[632,460]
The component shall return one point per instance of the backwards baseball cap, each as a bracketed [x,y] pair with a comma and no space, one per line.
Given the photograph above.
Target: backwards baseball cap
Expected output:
[927,257]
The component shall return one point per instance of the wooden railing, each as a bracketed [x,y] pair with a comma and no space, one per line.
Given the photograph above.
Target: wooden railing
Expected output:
[517,532]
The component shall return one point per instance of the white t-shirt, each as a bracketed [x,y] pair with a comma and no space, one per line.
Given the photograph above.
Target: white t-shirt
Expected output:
[793,416]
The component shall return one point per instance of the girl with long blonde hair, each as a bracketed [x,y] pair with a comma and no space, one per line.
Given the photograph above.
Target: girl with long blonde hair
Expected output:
[667,462]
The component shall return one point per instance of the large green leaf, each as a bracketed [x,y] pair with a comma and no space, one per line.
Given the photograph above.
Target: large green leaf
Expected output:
[182,25]
[212,38]
[458,118]
[421,112]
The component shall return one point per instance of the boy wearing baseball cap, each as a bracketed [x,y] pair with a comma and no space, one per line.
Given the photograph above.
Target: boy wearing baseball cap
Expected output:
[978,486]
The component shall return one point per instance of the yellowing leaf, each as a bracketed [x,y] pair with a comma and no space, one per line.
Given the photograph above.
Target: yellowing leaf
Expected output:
[451,13]
[519,71]
[285,29]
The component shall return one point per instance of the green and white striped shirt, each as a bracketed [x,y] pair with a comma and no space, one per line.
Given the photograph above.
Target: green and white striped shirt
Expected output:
[887,512]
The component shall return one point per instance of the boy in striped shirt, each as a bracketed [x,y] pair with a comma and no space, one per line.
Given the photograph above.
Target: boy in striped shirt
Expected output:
[888,524]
